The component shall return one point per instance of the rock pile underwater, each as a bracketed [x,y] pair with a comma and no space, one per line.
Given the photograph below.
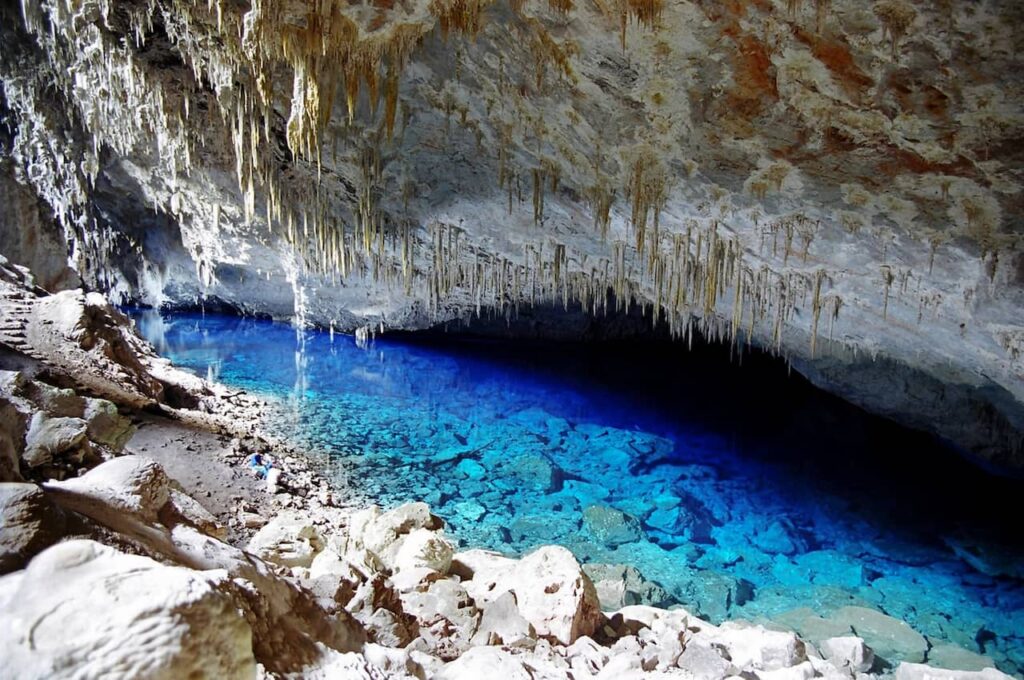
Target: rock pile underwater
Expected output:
[679,480]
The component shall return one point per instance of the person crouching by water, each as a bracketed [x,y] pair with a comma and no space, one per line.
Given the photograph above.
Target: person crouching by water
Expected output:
[263,468]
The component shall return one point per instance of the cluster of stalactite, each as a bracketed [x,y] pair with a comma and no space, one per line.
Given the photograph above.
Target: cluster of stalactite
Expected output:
[693,274]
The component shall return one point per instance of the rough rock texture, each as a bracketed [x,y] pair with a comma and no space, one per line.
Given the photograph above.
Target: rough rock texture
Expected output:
[29,522]
[834,180]
[85,610]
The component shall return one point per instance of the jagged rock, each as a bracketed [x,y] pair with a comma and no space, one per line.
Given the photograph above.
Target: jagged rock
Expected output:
[106,425]
[481,571]
[394,662]
[848,652]
[81,609]
[49,438]
[289,539]
[776,538]
[444,611]
[424,548]
[914,671]
[755,648]
[485,662]
[536,472]
[713,595]
[620,585]
[502,624]
[586,657]
[891,639]
[382,534]
[389,629]
[29,522]
[555,595]
[704,662]
[611,526]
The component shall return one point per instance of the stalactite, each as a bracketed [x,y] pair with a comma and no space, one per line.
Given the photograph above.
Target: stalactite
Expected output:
[887,281]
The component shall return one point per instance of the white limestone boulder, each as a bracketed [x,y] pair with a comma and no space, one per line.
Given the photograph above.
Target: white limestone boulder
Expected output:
[502,624]
[290,539]
[84,610]
[849,652]
[481,571]
[423,548]
[480,663]
[374,538]
[554,595]
[755,648]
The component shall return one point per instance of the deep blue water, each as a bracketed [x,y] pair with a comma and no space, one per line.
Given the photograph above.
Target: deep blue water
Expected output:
[743,491]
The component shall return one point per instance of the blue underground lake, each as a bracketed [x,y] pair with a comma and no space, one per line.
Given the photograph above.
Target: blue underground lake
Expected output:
[740,490]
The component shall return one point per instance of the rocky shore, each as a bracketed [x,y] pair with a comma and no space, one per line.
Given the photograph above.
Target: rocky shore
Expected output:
[136,543]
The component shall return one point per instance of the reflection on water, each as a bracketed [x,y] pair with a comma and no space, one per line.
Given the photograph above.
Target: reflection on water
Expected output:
[742,492]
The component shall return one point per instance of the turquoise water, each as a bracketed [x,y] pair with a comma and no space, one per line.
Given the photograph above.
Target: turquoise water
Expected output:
[742,491]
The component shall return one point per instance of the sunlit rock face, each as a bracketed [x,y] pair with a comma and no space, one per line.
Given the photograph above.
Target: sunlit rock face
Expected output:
[835,180]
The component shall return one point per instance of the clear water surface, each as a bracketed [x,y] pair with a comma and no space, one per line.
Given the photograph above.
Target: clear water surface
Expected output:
[741,491]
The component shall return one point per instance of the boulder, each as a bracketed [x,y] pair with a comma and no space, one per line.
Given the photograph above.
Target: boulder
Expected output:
[29,522]
[586,657]
[290,540]
[916,671]
[958,658]
[485,662]
[755,648]
[133,485]
[704,662]
[381,534]
[555,595]
[848,652]
[470,469]
[445,614]
[777,538]
[481,571]
[891,639]
[106,425]
[536,472]
[84,610]
[424,548]
[611,526]
[50,438]
[502,624]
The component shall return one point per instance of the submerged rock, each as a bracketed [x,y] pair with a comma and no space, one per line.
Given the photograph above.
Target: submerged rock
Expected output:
[913,671]
[610,525]
[891,639]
